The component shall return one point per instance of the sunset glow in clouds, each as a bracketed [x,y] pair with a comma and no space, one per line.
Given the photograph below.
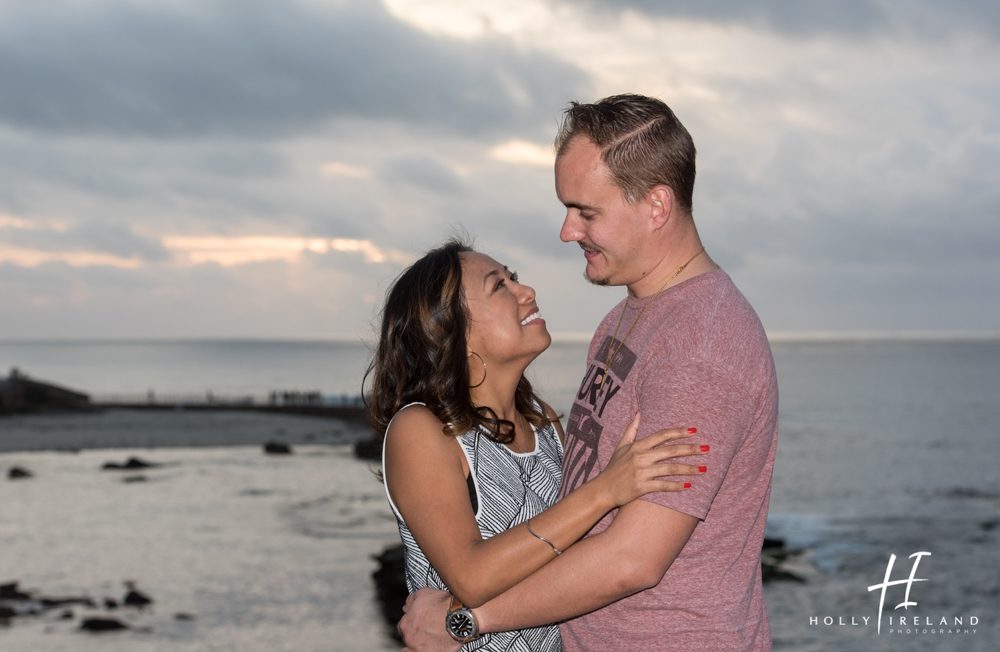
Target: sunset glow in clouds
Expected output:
[300,156]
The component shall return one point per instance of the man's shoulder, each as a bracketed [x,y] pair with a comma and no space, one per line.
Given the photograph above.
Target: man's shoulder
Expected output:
[711,306]
[719,297]
[716,325]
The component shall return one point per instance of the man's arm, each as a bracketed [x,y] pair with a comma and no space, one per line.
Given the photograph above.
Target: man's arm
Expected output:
[628,557]
[631,555]
[634,552]
[642,541]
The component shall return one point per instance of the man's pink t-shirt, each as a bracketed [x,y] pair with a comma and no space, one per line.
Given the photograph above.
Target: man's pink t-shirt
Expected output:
[698,356]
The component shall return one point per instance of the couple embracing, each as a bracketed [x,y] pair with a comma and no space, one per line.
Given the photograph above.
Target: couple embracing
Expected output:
[640,526]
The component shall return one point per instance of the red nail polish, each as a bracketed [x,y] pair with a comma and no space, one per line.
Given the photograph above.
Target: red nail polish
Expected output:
[702,469]
[704,448]
[692,430]
[687,485]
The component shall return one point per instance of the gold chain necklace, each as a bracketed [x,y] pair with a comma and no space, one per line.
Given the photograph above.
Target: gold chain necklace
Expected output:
[614,337]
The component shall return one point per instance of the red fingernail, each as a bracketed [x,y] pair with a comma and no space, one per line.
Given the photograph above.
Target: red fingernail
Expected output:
[687,485]
[692,430]
[704,448]
[702,469]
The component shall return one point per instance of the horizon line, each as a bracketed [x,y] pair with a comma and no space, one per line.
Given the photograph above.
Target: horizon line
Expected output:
[564,337]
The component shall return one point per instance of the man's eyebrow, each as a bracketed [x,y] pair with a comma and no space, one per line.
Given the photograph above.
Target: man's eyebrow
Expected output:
[578,206]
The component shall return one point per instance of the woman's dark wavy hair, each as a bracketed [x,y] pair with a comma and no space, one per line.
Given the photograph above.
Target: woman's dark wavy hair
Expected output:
[421,356]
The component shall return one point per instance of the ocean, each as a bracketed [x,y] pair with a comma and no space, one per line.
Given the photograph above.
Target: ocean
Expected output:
[888,448]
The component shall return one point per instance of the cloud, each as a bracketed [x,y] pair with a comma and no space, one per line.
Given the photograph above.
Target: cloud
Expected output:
[846,18]
[424,172]
[256,68]
[267,299]
[91,244]
[244,250]
[333,169]
[521,152]
[268,167]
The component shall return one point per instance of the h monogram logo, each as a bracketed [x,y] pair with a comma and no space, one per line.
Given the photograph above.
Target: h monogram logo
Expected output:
[886,583]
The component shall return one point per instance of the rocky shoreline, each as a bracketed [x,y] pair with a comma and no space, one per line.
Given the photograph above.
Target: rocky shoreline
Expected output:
[95,615]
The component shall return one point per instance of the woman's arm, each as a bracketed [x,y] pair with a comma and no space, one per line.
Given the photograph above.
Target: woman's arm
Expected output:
[426,475]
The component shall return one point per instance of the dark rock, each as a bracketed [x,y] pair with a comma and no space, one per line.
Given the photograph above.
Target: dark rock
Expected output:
[52,603]
[771,571]
[10,592]
[776,549]
[390,586]
[773,554]
[770,543]
[135,598]
[989,526]
[15,602]
[368,449]
[131,464]
[183,616]
[19,473]
[102,625]
[132,479]
[110,604]
[21,394]
[277,448]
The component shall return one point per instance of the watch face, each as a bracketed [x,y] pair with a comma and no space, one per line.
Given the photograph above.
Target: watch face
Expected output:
[461,624]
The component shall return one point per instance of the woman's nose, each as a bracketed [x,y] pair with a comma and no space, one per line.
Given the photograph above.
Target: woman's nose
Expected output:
[526,293]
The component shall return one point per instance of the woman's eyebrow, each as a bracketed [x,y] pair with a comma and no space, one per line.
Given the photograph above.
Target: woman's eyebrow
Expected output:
[494,272]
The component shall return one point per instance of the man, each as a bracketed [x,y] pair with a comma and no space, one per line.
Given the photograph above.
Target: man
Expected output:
[676,571]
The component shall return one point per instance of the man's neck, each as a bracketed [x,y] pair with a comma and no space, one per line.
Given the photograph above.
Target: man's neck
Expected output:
[678,265]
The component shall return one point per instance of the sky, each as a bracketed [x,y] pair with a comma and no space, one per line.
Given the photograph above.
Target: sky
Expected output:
[265,168]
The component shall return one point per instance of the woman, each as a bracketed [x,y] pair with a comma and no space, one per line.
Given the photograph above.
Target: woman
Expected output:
[471,457]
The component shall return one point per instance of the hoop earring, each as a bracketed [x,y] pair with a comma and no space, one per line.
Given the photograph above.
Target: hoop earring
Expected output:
[484,369]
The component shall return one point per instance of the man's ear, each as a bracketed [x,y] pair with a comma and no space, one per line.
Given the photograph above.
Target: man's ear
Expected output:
[661,205]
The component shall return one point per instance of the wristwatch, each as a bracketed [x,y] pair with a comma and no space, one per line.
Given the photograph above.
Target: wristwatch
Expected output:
[460,622]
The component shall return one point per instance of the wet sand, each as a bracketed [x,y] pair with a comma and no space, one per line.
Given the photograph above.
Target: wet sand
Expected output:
[239,550]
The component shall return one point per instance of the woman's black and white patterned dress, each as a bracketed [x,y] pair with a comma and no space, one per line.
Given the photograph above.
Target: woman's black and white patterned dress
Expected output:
[507,489]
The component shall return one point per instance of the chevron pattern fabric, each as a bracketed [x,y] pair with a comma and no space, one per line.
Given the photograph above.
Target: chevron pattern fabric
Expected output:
[510,489]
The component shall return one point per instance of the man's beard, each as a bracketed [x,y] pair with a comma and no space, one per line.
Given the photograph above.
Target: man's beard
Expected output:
[603,282]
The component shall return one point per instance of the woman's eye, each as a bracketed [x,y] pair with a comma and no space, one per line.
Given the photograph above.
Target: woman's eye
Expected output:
[502,282]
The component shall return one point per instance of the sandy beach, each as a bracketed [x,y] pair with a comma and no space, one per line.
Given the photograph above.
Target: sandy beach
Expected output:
[237,549]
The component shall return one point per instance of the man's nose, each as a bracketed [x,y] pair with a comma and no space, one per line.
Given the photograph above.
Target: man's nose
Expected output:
[571,231]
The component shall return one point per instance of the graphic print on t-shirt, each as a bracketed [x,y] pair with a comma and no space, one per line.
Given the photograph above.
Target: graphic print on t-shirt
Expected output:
[600,384]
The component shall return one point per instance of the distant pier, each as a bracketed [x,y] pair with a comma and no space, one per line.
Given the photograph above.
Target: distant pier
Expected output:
[347,408]
[21,394]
